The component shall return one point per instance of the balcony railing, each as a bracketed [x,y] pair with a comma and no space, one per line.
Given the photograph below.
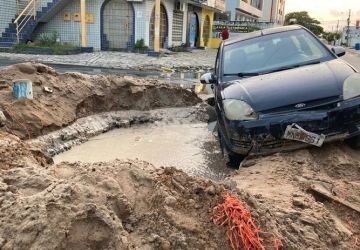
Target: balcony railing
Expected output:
[26,11]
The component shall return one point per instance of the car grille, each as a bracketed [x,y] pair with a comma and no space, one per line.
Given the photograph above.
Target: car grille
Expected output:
[317,105]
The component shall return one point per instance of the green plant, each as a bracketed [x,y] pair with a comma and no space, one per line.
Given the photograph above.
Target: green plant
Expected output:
[303,18]
[140,44]
[56,49]
[251,28]
[46,39]
[331,36]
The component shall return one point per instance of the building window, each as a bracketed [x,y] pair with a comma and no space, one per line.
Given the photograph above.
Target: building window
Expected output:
[257,4]
[177,32]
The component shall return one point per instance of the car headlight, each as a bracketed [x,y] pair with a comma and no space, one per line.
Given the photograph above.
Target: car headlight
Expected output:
[238,110]
[351,87]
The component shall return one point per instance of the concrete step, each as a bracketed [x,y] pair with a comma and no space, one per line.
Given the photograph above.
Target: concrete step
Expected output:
[6,44]
[7,39]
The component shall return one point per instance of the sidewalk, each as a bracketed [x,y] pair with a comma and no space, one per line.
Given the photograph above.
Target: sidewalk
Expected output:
[352,51]
[197,60]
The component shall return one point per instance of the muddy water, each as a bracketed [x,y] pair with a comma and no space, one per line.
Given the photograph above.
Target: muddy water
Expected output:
[189,147]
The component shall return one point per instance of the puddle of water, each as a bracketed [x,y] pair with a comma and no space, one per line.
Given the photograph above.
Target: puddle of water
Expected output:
[189,147]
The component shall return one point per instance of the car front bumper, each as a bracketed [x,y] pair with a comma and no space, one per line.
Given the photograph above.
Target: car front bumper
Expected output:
[265,135]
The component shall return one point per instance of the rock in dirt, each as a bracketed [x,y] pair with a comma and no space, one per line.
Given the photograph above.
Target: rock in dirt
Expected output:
[14,153]
[2,118]
[47,90]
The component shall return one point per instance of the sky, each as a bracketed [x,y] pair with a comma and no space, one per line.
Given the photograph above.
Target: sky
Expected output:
[327,11]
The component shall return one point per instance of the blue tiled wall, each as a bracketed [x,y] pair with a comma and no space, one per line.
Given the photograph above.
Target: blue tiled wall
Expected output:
[69,31]
[7,13]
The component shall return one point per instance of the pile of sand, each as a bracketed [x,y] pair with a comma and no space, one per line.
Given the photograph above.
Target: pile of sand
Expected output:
[77,95]
[117,205]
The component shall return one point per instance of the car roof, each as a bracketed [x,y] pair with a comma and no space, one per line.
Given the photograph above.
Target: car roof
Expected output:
[263,32]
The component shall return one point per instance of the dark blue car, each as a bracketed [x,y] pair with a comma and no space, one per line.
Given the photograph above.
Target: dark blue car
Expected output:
[283,89]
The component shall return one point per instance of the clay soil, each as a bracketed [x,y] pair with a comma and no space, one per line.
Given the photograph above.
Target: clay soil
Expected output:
[135,205]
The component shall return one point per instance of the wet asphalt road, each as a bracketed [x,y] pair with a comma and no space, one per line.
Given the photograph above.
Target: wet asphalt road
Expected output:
[353,58]
[186,79]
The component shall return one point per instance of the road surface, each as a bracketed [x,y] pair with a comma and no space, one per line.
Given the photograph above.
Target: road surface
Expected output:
[353,58]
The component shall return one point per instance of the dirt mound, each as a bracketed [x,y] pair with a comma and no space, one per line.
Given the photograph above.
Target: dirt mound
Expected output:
[286,200]
[15,153]
[117,205]
[132,204]
[77,95]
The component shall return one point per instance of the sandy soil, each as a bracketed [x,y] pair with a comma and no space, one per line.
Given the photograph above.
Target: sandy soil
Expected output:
[283,185]
[77,95]
[117,205]
[135,205]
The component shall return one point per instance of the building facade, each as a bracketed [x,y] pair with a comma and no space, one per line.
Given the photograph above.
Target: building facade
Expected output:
[274,11]
[244,10]
[113,24]
[271,11]
[354,36]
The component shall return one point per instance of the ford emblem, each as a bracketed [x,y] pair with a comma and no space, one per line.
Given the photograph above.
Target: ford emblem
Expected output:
[300,105]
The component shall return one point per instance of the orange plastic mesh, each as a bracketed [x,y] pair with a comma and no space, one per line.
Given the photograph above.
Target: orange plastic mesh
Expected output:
[241,229]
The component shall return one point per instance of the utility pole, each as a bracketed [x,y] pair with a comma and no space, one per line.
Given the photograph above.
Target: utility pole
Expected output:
[83,23]
[337,31]
[348,30]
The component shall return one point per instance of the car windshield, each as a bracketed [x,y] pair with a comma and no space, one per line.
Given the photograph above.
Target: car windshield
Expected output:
[273,52]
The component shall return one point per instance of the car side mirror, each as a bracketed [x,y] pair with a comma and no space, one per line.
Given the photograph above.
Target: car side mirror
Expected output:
[208,78]
[339,51]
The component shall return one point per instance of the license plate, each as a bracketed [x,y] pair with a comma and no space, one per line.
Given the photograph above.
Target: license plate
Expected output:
[297,133]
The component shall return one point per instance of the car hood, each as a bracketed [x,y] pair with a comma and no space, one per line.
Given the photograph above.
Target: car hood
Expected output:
[294,86]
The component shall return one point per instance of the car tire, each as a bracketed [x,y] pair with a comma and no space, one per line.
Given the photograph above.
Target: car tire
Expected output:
[233,160]
[354,142]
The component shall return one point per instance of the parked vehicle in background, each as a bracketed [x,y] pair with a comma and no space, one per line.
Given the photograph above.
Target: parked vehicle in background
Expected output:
[283,89]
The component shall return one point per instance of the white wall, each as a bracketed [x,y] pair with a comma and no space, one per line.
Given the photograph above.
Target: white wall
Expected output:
[273,15]
[230,6]
[354,36]
[169,7]
[266,15]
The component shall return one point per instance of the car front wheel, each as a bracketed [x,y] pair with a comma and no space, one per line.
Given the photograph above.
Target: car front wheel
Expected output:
[233,160]
[354,142]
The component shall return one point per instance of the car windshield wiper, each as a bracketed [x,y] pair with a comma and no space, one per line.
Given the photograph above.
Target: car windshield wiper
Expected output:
[243,74]
[291,67]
